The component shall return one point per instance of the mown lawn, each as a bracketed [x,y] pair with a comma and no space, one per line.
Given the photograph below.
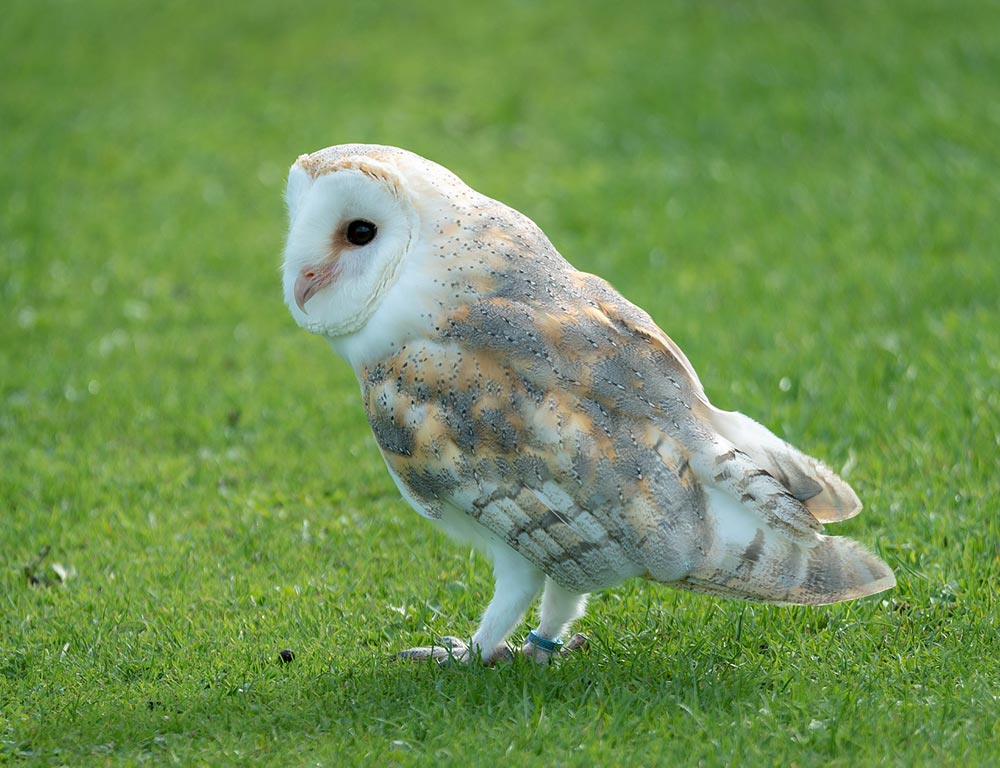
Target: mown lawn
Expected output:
[806,196]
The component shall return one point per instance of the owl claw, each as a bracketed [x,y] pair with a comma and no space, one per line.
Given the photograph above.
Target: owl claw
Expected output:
[451,650]
[444,650]
[579,642]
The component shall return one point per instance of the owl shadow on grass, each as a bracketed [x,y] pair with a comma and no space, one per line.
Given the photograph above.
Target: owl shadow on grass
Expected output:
[658,686]
[653,665]
[717,661]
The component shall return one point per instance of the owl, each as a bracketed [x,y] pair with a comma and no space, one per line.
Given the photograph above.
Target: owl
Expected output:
[530,410]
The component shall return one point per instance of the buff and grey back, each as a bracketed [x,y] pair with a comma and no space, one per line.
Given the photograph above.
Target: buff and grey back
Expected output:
[540,403]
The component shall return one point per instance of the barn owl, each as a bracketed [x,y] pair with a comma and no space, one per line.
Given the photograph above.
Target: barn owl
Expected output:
[530,410]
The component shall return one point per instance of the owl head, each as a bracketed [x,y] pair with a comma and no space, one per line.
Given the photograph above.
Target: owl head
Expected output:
[358,214]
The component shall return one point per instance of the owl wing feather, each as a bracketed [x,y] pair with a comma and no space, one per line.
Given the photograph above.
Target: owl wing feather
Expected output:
[577,437]
[766,500]
[825,495]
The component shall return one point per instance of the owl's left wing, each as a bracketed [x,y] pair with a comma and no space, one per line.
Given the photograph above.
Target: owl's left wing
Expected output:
[657,358]
[535,514]
[552,432]
[567,479]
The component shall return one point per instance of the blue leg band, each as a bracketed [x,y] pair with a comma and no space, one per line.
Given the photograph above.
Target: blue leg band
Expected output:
[552,646]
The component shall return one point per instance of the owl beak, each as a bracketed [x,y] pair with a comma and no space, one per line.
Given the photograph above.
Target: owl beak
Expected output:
[310,281]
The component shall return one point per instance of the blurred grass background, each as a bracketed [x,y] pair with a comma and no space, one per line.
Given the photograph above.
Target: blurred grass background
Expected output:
[804,196]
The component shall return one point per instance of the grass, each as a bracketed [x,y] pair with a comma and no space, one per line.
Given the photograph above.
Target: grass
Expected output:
[804,196]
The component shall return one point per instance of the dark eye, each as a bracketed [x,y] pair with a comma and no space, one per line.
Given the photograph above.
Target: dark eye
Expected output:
[361,232]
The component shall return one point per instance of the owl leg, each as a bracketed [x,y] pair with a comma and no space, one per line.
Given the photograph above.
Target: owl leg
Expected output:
[560,608]
[517,583]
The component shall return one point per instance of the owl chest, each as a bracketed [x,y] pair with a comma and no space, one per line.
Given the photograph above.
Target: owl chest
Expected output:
[435,404]
[426,433]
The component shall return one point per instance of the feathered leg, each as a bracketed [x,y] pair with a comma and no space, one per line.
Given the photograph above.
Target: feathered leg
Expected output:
[560,608]
[517,583]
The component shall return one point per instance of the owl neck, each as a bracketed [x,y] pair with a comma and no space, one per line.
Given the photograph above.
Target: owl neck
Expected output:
[397,320]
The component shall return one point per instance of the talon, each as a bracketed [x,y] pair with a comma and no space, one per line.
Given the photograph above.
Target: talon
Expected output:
[503,653]
[579,642]
[416,654]
[449,642]
[444,651]
[448,650]
[454,650]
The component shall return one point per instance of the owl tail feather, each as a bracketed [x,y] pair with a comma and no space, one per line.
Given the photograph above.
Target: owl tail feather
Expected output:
[749,561]
[827,497]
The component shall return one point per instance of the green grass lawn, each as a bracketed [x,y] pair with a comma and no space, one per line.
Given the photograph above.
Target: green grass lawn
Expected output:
[806,196]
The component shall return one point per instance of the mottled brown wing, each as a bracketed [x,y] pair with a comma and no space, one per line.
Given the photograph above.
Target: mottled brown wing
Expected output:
[823,496]
[523,405]
[588,493]
[576,438]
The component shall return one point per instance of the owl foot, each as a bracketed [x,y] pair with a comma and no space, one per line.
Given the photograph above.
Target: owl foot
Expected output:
[543,655]
[449,650]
